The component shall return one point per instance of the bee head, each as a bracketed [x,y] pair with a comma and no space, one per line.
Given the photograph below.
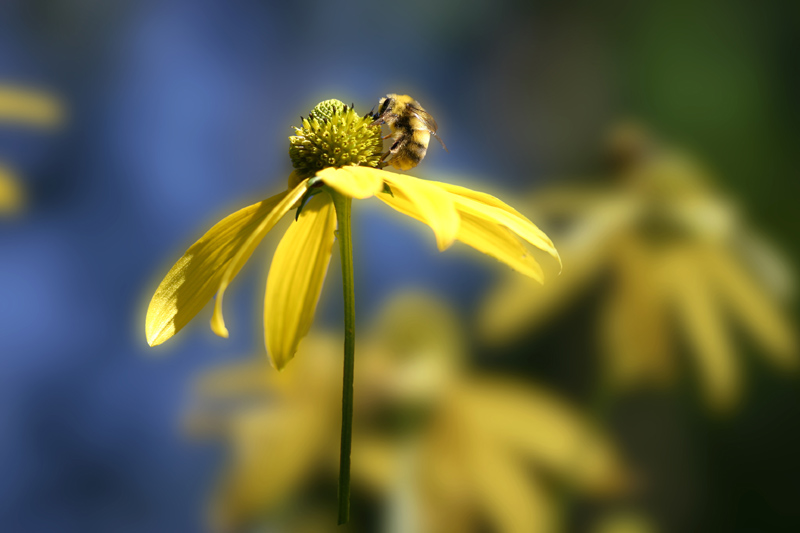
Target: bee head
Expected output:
[384,110]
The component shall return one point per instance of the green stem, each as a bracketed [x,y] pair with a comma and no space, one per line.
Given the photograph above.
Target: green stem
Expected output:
[343,205]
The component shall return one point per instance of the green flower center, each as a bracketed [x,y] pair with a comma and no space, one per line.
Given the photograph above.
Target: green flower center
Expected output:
[333,135]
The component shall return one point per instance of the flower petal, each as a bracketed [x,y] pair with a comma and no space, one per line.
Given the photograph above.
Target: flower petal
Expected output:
[531,423]
[246,248]
[194,279]
[12,194]
[491,209]
[478,196]
[353,181]
[295,278]
[752,306]
[30,106]
[688,283]
[427,203]
[500,243]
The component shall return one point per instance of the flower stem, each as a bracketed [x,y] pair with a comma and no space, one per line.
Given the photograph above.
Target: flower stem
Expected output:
[343,205]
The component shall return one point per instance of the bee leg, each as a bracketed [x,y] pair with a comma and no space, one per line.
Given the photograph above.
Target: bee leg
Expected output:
[441,141]
[386,137]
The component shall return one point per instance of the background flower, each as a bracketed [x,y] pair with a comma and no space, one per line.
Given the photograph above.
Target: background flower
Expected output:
[681,266]
[442,446]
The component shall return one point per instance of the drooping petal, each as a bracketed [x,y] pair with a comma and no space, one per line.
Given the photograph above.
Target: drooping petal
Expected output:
[511,501]
[530,421]
[753,307]
[427,203]
[500,243]
[295,278]
[715,355]
[355,182]
[478,196]
[494,211]
[246,248]
[516,306]
[194,279]
[492,239]
[634,321]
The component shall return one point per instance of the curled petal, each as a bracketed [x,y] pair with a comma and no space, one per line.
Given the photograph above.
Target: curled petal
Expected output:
[484,235]
[295,278]
[246,249]
[500,243]
[209,265]
[477,196]
[353,181]
[194,279]
[489,209]
[427,203]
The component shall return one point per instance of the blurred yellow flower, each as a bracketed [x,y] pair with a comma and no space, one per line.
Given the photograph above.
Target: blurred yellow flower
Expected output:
[301,259]
[12,195]
[626,521]
[28,107]
[674,248]
[444,449]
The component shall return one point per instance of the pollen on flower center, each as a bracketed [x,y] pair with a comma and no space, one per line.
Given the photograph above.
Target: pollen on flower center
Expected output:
[333,135]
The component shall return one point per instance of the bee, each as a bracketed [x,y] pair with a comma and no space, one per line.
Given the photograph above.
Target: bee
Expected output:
[411,127]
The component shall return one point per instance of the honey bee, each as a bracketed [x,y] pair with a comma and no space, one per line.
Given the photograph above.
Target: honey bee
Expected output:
[411,127]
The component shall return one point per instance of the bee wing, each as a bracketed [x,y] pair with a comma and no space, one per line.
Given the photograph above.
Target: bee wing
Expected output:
[428,121]
[425,117]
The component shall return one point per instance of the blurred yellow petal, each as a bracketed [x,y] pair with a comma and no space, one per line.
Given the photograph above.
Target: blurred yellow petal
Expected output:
[295,278]
[194,279]
[427,203]
[514,502]
[625,521]
[353,181]
[690,288]
[246,248]
[273,451]
[518,306]
[573,200]
[12,195]
[278,426]
[30,107]
[535,423]
[634,325]
[754,307]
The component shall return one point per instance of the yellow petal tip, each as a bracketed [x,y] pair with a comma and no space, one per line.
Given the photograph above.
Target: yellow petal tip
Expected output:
[156,335]
[218,326]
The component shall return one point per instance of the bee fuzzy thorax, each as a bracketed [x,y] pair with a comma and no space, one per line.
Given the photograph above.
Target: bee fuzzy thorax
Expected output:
[411,129]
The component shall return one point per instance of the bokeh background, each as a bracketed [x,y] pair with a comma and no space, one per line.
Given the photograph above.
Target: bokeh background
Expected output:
[150,120]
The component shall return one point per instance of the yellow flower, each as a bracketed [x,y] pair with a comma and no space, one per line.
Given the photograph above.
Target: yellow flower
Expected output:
[683,264]
[443,447]
[25,107]
[335,152]
[12,194]
[30,107]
